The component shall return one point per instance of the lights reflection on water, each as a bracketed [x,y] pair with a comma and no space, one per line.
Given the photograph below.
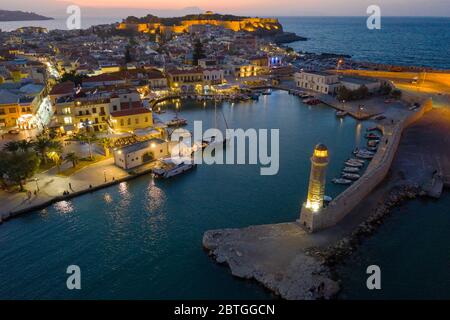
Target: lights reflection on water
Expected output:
[64,207]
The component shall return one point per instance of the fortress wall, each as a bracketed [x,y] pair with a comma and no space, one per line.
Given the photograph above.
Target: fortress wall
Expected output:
[235,25]
[375,173]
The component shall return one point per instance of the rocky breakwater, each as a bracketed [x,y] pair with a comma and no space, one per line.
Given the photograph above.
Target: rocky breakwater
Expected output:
[274,255]
[337,252]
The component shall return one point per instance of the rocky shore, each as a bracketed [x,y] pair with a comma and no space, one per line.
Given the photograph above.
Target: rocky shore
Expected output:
[262,252]
[273,255]
[287,37]
[336,253]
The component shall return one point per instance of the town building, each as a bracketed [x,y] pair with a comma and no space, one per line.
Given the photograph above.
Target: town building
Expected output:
[322,82]
[139,153]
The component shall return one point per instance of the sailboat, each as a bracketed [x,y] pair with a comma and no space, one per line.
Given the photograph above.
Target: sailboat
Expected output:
[214,140]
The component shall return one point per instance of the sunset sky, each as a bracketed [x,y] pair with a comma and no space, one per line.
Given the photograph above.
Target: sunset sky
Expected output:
[248,7]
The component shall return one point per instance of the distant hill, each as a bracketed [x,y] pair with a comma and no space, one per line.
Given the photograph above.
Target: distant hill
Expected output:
[6,15]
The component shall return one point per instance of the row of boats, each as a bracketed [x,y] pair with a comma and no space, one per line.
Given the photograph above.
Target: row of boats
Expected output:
[353,166]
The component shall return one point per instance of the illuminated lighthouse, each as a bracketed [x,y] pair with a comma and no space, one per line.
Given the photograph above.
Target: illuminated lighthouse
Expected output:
[316,190]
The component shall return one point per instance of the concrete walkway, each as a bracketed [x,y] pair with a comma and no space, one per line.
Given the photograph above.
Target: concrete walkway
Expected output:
[51,185]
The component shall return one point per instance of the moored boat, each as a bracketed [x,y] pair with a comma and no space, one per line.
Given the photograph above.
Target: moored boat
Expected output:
[171,168]
[341,181]
[351,169]
[364,156]
[177,122]
[372,136]
[354,164]
[341,113]
[351,176]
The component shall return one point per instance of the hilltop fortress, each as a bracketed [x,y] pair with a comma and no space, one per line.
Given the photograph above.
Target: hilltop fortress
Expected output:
[155,25]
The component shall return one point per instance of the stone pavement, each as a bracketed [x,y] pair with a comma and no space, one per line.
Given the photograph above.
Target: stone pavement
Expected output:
[51,185]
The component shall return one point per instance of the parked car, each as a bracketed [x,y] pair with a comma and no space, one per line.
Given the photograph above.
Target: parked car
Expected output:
[14,131]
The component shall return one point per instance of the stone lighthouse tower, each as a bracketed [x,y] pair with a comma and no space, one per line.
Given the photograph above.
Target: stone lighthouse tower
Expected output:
[316,190]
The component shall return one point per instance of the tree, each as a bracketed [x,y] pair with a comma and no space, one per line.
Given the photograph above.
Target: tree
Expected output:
[385,89]
[72,157]
[88,138]
[106,144]
[198,52]
[19,167]
[396,94]
[25,145]
[41,146]
[11,146]
[343,93]
[77,79]
[54,153]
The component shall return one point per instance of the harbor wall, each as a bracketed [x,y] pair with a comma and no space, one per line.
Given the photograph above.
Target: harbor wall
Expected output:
[375,173]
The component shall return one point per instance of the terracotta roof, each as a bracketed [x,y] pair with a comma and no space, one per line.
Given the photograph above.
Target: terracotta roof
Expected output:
[63,88]
[187,71]
[130,112]
[130,105]
[102,78]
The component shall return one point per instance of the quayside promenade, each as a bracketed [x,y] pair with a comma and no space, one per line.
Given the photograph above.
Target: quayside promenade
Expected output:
[50,186]
[289,260]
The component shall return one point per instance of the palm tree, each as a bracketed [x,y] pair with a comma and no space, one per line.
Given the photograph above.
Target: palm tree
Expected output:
[72,157]
[106,144]
[55,152]
[41,146]
[11,146]
[25,145]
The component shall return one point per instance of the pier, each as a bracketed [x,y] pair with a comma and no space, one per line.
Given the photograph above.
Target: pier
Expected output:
[282,256]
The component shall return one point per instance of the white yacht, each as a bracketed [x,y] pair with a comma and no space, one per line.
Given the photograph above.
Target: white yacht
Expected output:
[171,168]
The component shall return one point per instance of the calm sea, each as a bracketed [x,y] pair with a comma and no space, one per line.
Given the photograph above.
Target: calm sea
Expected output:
[420,41]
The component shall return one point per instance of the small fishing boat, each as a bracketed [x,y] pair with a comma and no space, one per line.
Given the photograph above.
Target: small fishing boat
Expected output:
[177,122]
[364,156]
[372,129]
[171,169]
[311,101]
[340,113]
[372,136]
[373,149]
[373,143]
[351,176]
[351,169]
[363,151]
[354,164]
[327,199]
[341,181]
[356,160]
[266,92]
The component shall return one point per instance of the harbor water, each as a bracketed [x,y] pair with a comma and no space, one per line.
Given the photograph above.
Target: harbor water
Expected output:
[143,238]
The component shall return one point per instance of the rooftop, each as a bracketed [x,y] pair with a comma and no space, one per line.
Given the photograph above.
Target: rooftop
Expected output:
[140,145]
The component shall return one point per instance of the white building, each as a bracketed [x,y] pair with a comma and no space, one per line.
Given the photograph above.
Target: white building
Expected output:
[137,154]
[213,76]
[322,82]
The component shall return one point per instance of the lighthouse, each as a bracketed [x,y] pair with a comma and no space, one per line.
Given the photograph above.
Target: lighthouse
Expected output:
[316,189]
